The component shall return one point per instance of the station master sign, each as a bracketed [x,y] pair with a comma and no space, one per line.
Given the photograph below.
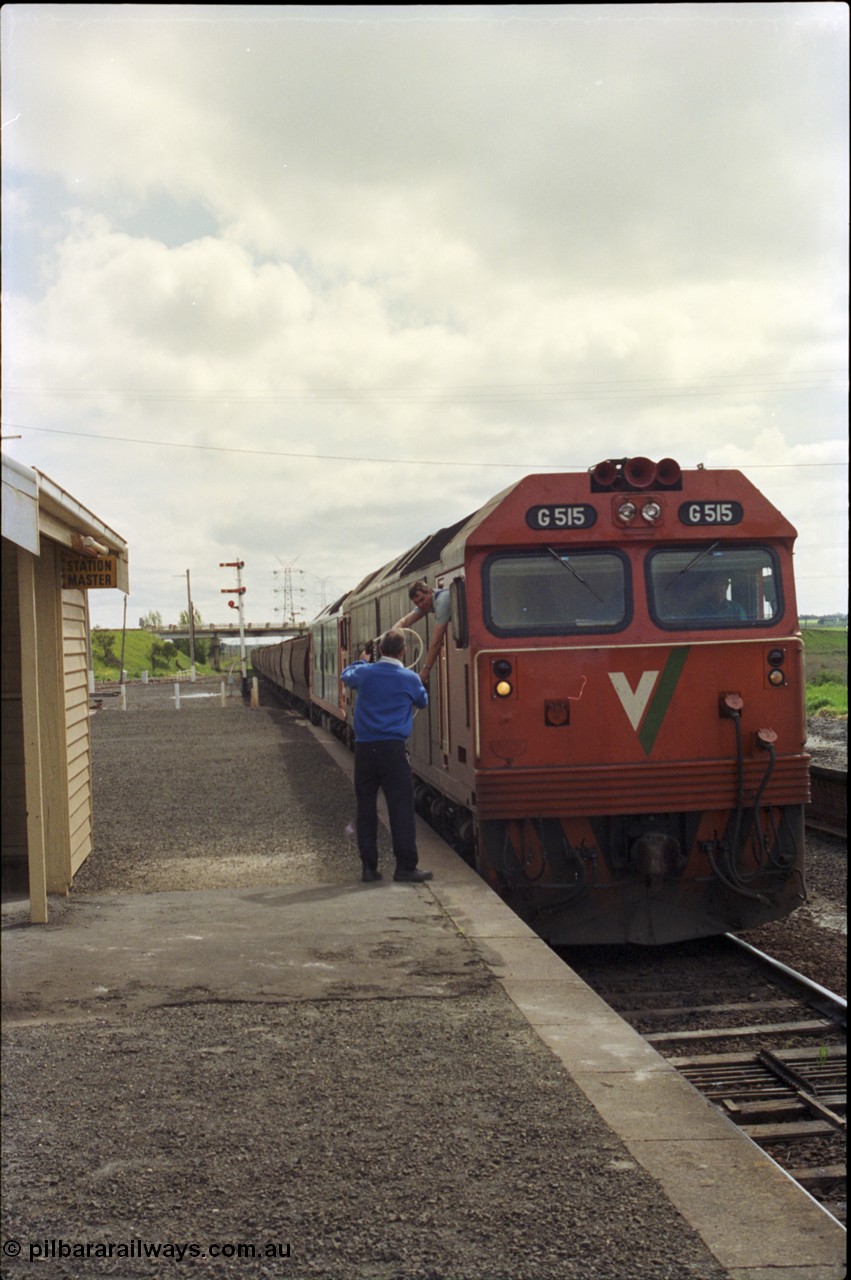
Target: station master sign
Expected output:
[87,573]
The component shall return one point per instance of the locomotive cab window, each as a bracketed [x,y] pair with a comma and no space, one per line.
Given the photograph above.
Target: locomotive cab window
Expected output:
[715,586]
[556,592]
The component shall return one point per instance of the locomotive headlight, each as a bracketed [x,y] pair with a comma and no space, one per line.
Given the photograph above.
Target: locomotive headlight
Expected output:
[776,677]
[502,667]
[503,689]
[651,511]
[776,656]
[627,512]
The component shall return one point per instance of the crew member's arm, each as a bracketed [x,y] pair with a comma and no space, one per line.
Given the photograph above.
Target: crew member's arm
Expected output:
[409,619]
[433,650]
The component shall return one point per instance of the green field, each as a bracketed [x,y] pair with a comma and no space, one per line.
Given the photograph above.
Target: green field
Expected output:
[826,664]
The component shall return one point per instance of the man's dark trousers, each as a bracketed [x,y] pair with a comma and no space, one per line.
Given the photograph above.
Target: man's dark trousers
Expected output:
[385,765]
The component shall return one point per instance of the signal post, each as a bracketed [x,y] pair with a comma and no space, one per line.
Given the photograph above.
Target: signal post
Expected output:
[239,592]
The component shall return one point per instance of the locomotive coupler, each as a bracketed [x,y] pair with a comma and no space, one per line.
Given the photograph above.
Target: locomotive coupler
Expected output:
[656,855]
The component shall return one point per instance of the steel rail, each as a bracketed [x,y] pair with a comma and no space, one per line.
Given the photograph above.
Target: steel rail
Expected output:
[807,983]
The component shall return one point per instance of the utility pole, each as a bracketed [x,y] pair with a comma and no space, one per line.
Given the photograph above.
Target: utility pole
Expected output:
[191,630]
[239,565]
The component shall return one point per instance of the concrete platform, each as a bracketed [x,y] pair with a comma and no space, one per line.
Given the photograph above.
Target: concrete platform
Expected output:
[114,958]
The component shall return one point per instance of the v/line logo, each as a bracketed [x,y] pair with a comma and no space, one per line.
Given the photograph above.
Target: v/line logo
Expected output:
[647,704]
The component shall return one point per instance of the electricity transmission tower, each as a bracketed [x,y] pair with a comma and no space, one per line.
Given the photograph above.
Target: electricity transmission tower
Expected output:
[293,596]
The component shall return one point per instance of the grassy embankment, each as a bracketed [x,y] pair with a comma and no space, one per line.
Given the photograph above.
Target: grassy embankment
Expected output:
[142,652]
[826,650]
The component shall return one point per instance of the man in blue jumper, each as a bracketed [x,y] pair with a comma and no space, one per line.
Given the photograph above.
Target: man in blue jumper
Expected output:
[384,717]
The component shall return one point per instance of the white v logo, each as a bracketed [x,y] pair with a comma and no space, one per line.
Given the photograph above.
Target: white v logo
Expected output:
[634,702]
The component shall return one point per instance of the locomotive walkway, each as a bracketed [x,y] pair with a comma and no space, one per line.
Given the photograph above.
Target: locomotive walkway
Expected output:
[390,1082]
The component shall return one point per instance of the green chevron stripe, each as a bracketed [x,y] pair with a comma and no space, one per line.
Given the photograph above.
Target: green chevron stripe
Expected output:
[661,699]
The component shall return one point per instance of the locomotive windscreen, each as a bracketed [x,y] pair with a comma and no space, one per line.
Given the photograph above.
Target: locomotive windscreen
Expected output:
[716,587]
[549,592]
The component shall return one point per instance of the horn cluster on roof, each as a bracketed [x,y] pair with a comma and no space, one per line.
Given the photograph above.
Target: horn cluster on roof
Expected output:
[631,475]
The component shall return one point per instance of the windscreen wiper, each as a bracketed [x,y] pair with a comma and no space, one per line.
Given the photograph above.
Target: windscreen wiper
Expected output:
[577,576]
[697,559]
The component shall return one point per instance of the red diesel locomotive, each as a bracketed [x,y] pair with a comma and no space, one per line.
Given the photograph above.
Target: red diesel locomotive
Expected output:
[615,735]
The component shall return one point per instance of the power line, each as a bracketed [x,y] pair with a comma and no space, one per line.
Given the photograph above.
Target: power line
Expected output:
[507,393]
[336,457]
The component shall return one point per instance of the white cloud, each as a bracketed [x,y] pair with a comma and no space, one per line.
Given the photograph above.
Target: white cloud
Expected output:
[532,237]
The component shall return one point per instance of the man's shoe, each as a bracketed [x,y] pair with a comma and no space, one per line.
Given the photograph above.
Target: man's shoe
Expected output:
[413,877]
[370,873]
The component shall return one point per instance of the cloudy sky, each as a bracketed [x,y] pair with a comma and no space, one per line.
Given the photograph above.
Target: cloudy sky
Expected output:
[302,285]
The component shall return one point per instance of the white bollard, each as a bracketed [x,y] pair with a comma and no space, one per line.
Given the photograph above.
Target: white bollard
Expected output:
[144,677]
[124,697]
[223,692]
[255,692]
[176,696]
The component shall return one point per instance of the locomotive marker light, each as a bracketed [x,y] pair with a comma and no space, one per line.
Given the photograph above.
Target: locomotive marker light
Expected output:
[776,676]
[651,512]
[503,687]
[627,511]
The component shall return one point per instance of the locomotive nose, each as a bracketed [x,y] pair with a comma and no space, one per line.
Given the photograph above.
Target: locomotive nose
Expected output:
[655,855]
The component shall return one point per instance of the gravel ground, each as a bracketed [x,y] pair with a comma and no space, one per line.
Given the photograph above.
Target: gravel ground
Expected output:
[330,1131]
[224,1124]
[827,741]
[236,816]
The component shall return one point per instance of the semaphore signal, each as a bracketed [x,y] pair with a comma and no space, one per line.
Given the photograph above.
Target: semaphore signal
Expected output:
[239,592]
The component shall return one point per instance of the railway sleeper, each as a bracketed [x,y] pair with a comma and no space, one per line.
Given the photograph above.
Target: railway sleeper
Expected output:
[823,1178]
[790,1108]
[766,1133]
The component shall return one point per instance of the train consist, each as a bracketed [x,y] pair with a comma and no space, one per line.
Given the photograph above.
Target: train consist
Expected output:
[615,735]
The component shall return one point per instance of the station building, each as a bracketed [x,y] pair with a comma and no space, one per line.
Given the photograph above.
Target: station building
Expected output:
[54,552]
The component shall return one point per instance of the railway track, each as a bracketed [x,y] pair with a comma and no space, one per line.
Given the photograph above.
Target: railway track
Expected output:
[761,1042]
